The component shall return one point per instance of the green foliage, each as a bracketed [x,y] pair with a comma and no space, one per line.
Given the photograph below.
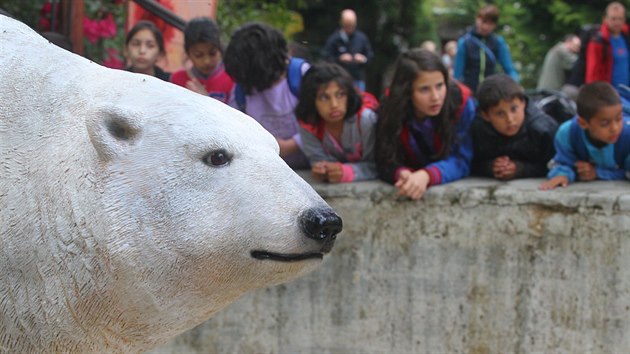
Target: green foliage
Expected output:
[516,27]
[427,30]
[26,11]
[233,13]
[106,49]
[532,27]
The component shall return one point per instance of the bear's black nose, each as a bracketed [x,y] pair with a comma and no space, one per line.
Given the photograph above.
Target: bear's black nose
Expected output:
[321,224]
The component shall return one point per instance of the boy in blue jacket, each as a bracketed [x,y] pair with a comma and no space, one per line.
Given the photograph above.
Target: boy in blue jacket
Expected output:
[596,143]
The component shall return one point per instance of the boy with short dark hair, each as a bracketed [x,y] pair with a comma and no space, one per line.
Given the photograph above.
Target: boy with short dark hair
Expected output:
[268,82]
[512,138]
[207,75]
[596,143]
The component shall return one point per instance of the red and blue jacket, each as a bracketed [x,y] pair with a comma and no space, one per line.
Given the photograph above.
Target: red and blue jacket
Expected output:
[355,151]
[418,143]
[599,55]
[611,161]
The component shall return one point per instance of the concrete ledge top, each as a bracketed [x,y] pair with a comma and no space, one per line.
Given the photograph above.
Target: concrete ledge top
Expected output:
[608,196]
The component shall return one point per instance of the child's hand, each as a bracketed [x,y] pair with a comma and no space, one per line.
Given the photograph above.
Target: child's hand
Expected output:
[554,182]
[345,57]
[360,58]
[334,172]
[498,165]
[412,184]
[318,170]
[196,86]
[585,171]
[287,146]
[503,168]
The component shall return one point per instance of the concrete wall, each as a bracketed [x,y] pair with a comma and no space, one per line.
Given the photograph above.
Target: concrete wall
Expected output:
[475,267]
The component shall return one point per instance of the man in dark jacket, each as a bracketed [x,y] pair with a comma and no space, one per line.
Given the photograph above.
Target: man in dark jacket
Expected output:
[512,138]
[350,48]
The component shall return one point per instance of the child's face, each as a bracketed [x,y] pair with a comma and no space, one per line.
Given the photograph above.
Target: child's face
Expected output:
[143,50]
[205,57]
[507,116]
[452,50]
[331,102]
[484,27]
[428,92]
[606,125]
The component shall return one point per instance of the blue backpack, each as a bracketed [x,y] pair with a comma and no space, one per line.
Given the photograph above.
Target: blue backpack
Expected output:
[294,78]
[624,94]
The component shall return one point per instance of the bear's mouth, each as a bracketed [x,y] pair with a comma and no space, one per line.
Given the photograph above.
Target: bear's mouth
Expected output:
[283,257]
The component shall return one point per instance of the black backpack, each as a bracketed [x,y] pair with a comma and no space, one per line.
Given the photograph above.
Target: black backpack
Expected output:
[586,34]
[555,103]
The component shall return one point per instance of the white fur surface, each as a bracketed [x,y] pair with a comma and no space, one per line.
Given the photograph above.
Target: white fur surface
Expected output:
[110,244]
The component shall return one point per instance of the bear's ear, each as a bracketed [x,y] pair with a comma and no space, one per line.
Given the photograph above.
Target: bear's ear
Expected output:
[112,130]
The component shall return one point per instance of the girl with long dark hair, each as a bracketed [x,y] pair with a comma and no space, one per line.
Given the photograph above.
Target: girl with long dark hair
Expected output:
[337,131]
[144,45]
[422,132]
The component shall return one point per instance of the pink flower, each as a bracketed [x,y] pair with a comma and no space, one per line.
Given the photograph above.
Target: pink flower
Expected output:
[167,30]
[46,8]
[113,59]
[91,30]
[97,29]
[45,17]
[107,26]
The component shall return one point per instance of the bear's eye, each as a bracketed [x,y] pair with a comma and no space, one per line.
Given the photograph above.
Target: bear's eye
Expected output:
[217,158]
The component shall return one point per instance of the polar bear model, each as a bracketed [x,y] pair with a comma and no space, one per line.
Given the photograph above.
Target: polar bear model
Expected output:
[131,209]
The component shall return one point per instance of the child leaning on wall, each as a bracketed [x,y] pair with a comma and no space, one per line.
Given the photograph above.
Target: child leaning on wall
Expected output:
[596,143]
[422,136]
[267,85]
[512,138]
[207,75]
[337,131]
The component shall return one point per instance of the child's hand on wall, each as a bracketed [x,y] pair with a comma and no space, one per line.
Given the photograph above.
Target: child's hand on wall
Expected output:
[334,172]
[327,171]
[585,171]
[503,168]
[412,184]
[318,170]
[554,182]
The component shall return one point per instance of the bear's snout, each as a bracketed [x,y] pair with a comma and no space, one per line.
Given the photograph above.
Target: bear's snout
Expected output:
[321,224]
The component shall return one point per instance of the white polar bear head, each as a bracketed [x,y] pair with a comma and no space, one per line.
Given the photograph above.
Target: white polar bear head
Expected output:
[131,209]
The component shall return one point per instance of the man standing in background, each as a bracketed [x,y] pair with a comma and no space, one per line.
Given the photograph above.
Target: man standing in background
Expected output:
[558,62]
[607,53]
[350,48]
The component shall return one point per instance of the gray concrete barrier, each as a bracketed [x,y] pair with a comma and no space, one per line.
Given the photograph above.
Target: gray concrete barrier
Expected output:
[476,266]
